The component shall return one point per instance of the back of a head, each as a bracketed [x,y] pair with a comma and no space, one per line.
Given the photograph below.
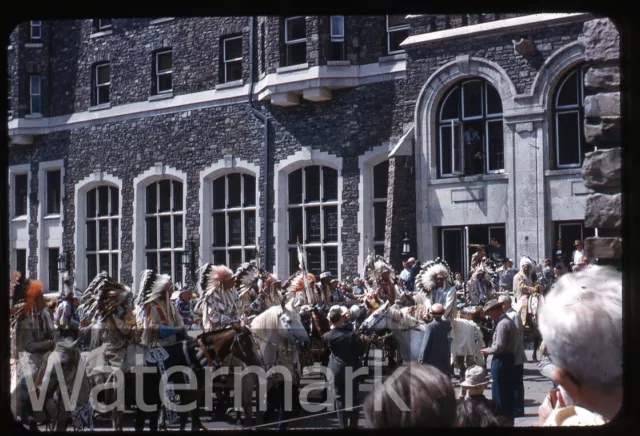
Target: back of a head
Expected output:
[581,323]
[425,391]
[471,413]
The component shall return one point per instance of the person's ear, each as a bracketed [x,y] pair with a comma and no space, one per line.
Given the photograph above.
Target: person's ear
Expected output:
[561,378]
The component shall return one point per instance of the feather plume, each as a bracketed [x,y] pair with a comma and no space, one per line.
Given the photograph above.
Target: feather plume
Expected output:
[108,294]
[374,267]
[204,275]
[22,295]
[426,279]
[221,273]
[247,277]
[146,282]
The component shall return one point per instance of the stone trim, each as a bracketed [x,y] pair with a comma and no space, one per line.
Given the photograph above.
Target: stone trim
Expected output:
[163,96]
[56,220]
[221,167]
[93,180]
[291,68]
[33,45]
[232,84]
[493,28]
[100,34]
[366,162]
[305,156]
[161,20]
[100,107]
[22,223]
[156,173]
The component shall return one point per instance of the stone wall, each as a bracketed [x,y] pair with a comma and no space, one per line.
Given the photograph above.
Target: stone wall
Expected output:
[602,169]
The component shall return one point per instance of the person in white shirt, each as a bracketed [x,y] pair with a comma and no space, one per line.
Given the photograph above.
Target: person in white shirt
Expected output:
[577,258]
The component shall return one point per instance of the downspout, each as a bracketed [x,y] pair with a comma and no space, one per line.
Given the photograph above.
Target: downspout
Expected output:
[265,158]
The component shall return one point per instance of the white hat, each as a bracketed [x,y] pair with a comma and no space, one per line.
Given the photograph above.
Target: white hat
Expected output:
[525,261]
[475,376]
[325,274]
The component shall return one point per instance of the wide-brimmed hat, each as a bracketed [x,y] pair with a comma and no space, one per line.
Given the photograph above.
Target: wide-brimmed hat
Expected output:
[475,377]
[491,304]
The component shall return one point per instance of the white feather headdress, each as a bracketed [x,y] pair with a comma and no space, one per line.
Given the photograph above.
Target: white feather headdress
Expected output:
[426,279]
[152,287]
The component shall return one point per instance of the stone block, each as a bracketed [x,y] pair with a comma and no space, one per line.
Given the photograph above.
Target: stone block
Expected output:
[601,41]
[603,248]
[607,132]
[467,194]
[602,105]
[604,211]
[602,79]
[285,99]
[602,169]
[317,94]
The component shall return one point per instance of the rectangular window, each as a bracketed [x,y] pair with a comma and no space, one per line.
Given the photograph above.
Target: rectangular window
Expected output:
[164,71]
[21,261]
[104,24]
[102,83]
[263,37]
[54,253]
[20,189]
[337,38]
[36,30]
[397,32]
[452,157]
[295,40]
[34,93]
[232,58]
[568,140]
[495,145]
[53,192]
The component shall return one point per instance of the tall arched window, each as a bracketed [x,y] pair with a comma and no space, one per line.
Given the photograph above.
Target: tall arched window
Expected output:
[380,184]
[313,218]
[470,130]
[568,119]
[103,231]
[234,219]
[164,222]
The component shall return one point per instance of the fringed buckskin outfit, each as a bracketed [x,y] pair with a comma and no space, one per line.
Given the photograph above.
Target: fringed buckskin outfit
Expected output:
[479,291]
[157,316]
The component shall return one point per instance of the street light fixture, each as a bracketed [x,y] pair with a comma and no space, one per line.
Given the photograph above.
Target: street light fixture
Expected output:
[406,245]
[62,262]
[187,257]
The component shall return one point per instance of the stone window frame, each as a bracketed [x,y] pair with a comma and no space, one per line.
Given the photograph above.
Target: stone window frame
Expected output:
[96,85]
[223,58]
[579,108]
[485,117]
[35,24]
[155,173]
[50,229]
[304,157]
[394,29]
[49,210]
[288,43]
[32,95]
[101,27]
[157,74]
[81,189]
[19,225]
[221,168]
[337,39]
[113,267]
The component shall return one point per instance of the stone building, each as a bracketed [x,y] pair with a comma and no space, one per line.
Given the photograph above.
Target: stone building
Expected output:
[134,141]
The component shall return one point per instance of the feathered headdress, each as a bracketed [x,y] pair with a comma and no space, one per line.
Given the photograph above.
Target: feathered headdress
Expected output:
[88,293]
[211,281]
[527,260]
[375,267]
[104,298]
[296,283]
[487,266]
[152,287]
[22,294]
[426,279]
[247,277]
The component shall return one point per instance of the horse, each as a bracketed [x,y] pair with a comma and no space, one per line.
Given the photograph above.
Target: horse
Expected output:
[278,332]
[529,316]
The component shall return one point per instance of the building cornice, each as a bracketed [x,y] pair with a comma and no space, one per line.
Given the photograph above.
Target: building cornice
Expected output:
[494,28]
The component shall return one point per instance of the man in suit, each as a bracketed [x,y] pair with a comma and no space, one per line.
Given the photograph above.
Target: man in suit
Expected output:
[435,349]
[346,350]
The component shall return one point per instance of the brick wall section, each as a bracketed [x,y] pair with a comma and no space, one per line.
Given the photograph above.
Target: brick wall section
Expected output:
[602,168]
[401,209]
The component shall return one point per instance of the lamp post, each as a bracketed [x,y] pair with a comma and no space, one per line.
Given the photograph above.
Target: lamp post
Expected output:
[187,258]
[406,245]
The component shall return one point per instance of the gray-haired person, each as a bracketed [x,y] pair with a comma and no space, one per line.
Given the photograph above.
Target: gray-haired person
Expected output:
[581,323]
[519,358]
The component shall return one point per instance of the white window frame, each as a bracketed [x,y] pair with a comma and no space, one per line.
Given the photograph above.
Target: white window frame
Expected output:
[377,200]
[46,192]
[164,72]
[19,225]
[567,109]
[288,42]
[238,209]
[102,27]
[36,24]
[390,30]
[334,36]
[171,213]
[224,56]
[109,218]
[99,85]
[314,205]
[32,95]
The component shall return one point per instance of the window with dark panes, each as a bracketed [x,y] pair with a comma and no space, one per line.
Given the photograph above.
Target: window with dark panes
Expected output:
[312,215]
[102,84]
[568,119]
[164,221]
[380,185]
[35,95]
[20,190]
[53,192]
[104,24]
[234,219]
[397,32]
[21,261]
[164,71]
[103,231]
[36,30]
[337,38]
[295,41]
[470,130]
[54,275]
[232,58]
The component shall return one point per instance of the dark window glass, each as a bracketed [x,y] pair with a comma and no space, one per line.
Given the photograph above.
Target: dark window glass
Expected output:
[397,20]
[92,266]
[152,261]
[21,261]
[114,266]
[91,236]
[165,263]
[568,94]
[494,102]
[218,193]
[249,190]
[219,230]
[380,220]
[312,183]
[177,262]
[296,53]
[331,260]
[164,82]
[103,232]
[295,225]
[103,259]
[115,202]
[165,232]
[445,149]
[379,250]
[53,269]
[313,224]
[114,234]
[165,195]
[53,192]
[496,145]
[295,28]
[91,203]
[235,228]
[152,233]
[330,184]
[235,259]
[331,224]
[232,48]
[474,149]
[295,187]
[219,257]
[103,201]
[293,260]
[177,231]
[451,107]
[20,192]
[337,51]
[177,196]
[381,179]
[314,261]
[249,255]
[165,62]
[568,138]
[472,99]
[396,38]
[151,198]
[235,190]
[250,228]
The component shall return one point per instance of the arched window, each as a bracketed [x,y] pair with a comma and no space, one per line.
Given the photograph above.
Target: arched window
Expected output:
[470,130]
[313,218]
[102,225]
[380,184]
[164,223]
[568,119]
[234,219]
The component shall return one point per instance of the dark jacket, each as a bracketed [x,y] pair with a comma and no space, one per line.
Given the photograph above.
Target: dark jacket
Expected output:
[346,350]
[412,276]
[435,345]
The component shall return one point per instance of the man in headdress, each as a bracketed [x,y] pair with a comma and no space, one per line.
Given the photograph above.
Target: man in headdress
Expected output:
[31,339]
[324,289]
[385,288]
[300,295]
[480,287]
[64,320]
[219,304]
[523,282]
[436,282]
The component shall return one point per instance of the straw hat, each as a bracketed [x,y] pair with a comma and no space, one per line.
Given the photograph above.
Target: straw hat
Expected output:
[475,377]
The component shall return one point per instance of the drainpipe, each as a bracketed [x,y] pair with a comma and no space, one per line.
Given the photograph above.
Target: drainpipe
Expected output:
[265,158]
